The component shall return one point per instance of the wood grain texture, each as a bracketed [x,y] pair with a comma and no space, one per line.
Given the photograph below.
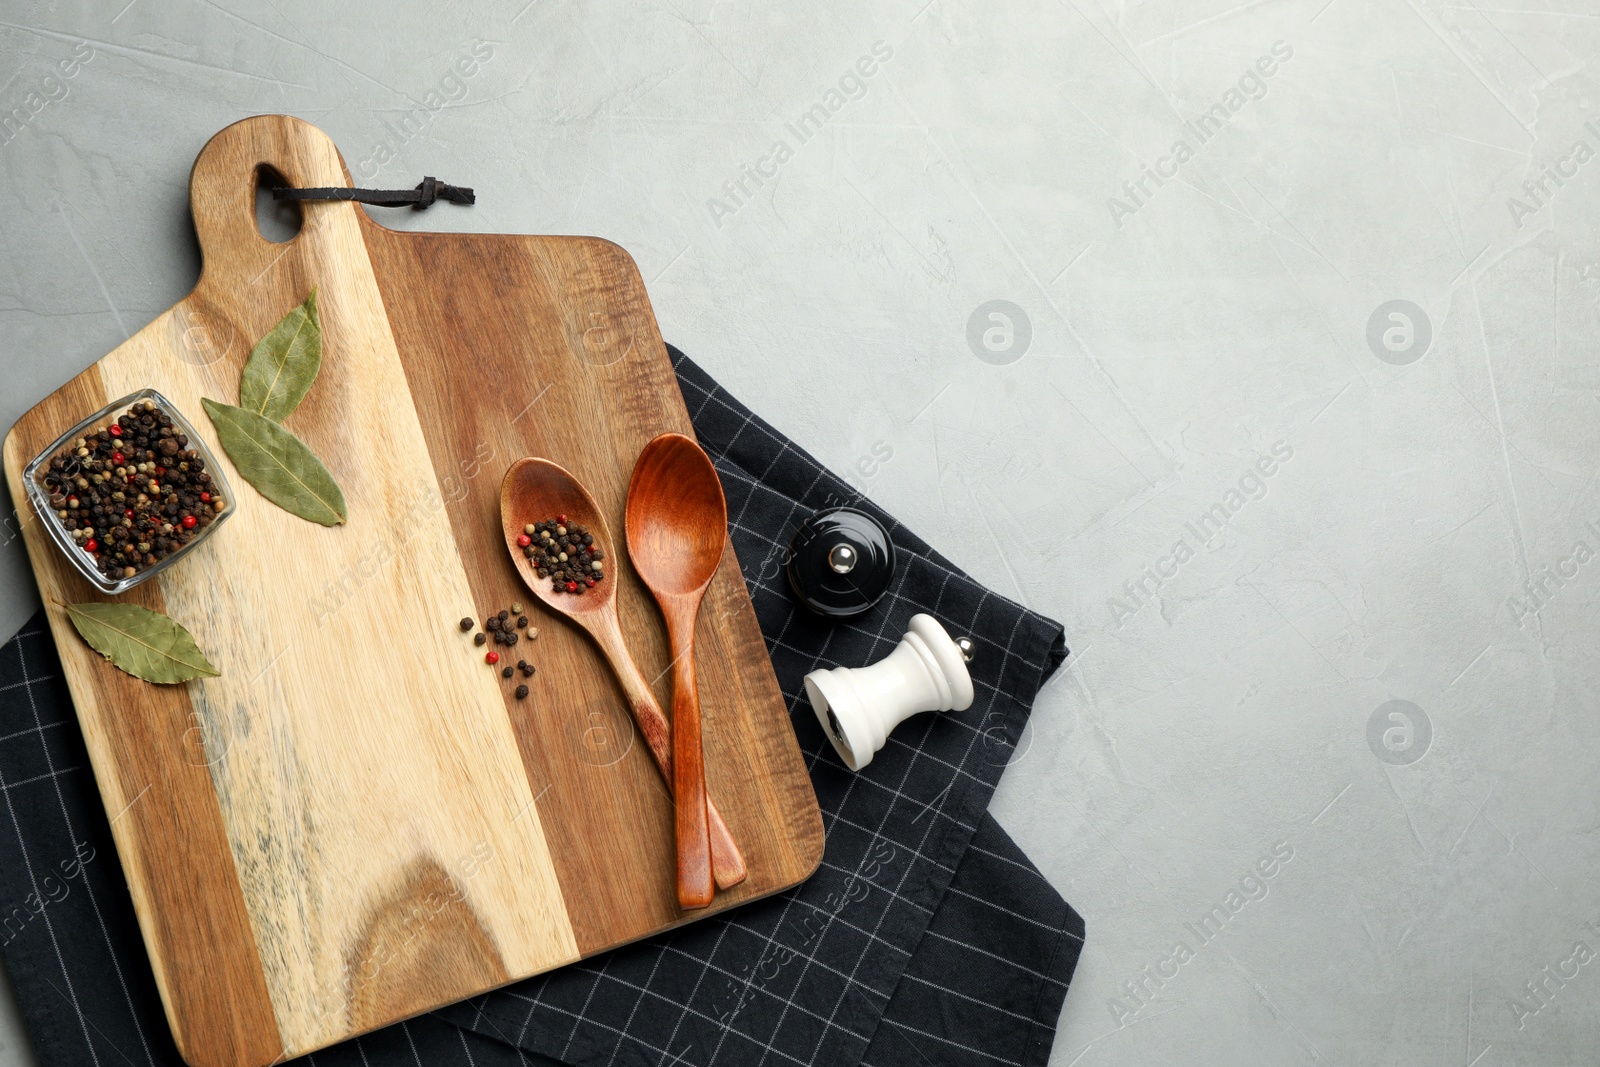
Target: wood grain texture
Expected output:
[561,330]
[367,826]
[151,764]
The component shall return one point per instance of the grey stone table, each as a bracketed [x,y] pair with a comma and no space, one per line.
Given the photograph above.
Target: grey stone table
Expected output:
[1256,341]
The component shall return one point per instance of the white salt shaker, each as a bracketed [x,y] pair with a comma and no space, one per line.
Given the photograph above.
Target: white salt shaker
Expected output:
[859,706]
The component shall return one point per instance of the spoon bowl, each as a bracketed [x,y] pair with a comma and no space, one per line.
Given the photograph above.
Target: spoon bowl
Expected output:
[535,490]
[677,517]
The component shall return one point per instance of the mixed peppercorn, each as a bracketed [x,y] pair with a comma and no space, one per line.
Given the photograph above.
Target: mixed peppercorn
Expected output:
[503,627]
[132,492]
[567,555]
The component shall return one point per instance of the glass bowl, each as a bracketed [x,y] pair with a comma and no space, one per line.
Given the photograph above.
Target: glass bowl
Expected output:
[33,476]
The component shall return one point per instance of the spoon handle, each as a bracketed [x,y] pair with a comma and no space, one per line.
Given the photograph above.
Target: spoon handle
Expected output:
[688,762]
[727,865]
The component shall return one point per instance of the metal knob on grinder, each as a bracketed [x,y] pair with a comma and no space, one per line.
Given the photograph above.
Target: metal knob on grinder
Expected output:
[841,562]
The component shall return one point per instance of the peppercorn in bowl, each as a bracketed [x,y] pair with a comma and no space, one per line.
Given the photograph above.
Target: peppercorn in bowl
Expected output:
[128,491]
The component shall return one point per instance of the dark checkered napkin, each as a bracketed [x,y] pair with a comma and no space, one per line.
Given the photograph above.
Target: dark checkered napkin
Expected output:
[925,938]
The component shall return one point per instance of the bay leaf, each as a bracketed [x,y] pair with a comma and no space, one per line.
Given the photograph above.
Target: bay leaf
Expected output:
[283,364]
[141,642]
[278,464]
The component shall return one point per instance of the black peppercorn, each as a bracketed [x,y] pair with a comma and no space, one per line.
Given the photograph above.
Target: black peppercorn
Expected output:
[506,672]
[466,625]
[522,623]
[479,639]
[522,692]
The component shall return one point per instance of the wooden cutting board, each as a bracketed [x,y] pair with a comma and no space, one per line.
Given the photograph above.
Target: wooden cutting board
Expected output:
[357,822]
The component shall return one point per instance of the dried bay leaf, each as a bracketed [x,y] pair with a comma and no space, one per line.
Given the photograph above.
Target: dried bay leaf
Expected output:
[278,464]
[283,364]
[141,642]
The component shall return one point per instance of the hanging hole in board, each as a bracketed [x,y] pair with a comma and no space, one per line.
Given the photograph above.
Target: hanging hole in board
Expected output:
[279,221]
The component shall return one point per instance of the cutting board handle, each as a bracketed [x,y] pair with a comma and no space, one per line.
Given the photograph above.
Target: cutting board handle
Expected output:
[222,188]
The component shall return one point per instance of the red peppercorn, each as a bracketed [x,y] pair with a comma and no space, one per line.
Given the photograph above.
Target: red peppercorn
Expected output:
[129,513]
[91,545]
[189,522]
[205,498]
[562,519]
[523,540]
[572,587]
[116,431]
[161,472]
[118,458]
[491,657]
[589,582]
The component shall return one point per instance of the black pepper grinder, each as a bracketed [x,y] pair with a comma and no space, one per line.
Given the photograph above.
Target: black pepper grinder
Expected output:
[841,562]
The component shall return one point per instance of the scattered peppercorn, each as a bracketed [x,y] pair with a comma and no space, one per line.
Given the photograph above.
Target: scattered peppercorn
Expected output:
[503,629]
[104,489]
[522,692]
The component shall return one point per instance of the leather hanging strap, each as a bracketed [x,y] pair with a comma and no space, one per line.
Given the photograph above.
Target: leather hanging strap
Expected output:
[429,190]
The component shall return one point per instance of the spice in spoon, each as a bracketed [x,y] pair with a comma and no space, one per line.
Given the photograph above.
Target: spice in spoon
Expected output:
[567,555]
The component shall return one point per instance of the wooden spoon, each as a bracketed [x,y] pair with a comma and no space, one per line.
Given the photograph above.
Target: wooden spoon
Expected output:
[535,490]
[677,523]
